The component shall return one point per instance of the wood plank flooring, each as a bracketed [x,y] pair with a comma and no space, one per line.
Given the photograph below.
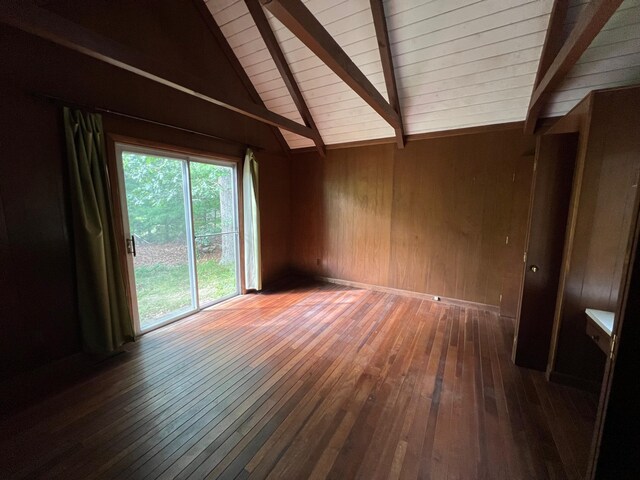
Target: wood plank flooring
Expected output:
[315,381]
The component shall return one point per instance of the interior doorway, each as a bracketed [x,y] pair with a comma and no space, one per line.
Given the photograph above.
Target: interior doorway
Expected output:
[180,220]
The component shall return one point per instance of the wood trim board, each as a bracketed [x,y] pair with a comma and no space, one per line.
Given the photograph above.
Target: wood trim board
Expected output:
[572,218]
[429,135]
[409,293]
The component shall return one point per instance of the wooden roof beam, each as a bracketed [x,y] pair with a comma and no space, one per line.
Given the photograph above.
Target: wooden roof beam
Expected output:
[590,22]
[294,15]
[56,29]
[550,48]
[260,19]
[213,27]
[382,34]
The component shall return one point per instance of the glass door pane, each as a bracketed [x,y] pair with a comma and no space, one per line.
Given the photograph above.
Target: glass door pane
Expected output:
[213,192]
[159,222]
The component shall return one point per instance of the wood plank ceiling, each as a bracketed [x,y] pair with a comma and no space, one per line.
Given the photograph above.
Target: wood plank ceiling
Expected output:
[612,59]
[458,63]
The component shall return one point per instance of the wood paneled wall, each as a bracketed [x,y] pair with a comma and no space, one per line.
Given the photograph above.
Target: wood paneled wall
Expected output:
[37,304]
[610,158]
[275,217]
[37,293]
[431,218]
[621,423]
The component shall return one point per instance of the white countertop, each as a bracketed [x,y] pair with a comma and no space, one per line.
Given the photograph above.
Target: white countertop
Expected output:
[602,318]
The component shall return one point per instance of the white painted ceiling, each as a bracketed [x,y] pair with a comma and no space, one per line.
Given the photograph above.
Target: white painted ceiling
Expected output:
[612,59]
[458,63]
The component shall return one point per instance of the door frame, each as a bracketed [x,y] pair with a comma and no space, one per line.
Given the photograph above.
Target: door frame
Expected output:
[117,146]
[521,354]
[633,243]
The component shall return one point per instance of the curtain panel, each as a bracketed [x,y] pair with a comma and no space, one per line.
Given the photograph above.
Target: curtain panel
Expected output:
[103,309]
[250,191]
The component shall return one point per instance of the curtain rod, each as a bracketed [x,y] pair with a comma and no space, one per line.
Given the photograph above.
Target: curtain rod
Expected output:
[63,102]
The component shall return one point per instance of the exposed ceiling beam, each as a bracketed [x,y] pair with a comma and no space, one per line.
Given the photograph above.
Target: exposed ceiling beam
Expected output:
[260,19]
[213,27]
[551,47]
[382,34]
[300,21]
[553,38]
[594,16]
[51,27]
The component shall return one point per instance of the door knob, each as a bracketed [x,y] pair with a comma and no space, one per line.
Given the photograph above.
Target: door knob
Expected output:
[533,268]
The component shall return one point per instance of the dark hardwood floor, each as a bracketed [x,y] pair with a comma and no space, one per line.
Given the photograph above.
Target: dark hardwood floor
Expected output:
[318,381]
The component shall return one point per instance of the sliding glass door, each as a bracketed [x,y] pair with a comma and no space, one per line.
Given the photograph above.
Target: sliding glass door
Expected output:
[215,230]
[181,223]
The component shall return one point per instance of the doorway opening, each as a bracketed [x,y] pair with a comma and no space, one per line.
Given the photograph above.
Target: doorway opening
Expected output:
[180,220]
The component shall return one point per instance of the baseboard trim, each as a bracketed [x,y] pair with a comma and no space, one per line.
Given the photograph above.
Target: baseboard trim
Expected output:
[409,293]
[573,381]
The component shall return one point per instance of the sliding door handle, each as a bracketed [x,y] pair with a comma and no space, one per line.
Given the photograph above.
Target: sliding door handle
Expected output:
[131,245]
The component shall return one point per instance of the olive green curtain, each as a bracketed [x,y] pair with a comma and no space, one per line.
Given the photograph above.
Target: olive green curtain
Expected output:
[102,303]
[252,256]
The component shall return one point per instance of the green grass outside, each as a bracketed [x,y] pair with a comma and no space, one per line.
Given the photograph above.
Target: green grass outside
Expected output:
[165,288]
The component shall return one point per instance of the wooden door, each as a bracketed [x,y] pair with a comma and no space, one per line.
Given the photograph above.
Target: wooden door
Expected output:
[552,183]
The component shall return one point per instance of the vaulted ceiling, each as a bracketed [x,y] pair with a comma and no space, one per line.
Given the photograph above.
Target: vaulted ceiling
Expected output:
[331,72]
[612,59]
[457,63]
